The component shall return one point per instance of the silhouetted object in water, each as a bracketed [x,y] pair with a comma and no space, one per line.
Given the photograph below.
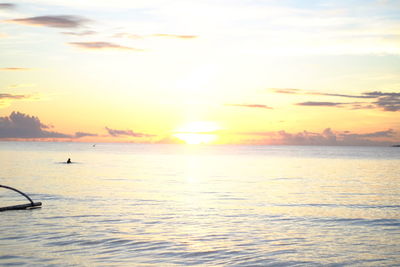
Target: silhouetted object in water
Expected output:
[69,160]
[31,205]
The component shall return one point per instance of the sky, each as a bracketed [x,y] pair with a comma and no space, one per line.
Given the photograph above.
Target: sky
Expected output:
[262,72]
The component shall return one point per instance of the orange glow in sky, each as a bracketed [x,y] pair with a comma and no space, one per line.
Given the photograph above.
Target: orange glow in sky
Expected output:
[198,132]
[270,72]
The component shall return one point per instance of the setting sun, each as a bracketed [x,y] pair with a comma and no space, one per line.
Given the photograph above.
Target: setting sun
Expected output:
[196,138]
[198,132]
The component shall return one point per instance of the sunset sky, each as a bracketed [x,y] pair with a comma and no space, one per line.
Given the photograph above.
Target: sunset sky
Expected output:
[300,72]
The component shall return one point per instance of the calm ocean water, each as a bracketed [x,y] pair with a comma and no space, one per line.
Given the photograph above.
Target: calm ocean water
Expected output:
[167,205]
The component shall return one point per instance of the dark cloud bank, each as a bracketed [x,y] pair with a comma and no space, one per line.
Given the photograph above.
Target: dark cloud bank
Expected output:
[22,126]
[19,126]
[327,137]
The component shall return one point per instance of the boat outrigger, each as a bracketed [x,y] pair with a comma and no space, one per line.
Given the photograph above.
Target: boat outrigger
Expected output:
[31,205]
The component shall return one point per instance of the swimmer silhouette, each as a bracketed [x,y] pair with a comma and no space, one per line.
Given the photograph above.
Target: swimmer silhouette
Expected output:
[69,160]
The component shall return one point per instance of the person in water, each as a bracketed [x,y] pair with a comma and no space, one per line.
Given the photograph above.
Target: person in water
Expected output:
[69,160]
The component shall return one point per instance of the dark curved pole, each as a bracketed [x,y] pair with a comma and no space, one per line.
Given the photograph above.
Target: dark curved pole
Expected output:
[30,200]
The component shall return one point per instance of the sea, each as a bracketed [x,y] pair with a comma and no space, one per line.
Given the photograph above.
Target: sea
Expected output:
[200,205]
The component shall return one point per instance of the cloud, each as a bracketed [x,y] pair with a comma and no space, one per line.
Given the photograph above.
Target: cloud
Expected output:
[83,134]
[356,106]
[387,133]
[389,103]
[249,106]
[84,33]
[341,95]
[127,35]
[20,85]
[116,133]
[176,36]
[378,94]
[290,26]
[286,90]
[320,104]
[326,137]
[58,21]
[101,45]
[20,125]
[10,96]
[351,105]
[161,35]
[307,92]
[7,6]
[5,99]
[386,101]
[14,69]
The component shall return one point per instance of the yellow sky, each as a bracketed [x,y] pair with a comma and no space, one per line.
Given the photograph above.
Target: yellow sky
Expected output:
[260,72]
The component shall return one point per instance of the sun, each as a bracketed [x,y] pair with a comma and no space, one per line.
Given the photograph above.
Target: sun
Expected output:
[196,138]
[198,132]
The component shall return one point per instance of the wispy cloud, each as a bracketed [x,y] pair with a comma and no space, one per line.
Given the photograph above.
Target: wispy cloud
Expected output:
[276,27]
[14,69]
[261,106]
[341,95]
[127,35]
[320,104]
[286,91]
[102,46]
[10,96]
[175,36]
[84,33]
[386,101]
[83,134]
[7,6]
[55,21]
[116,133]
[20,85]
[307,92]
[6,99]
[160,35]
